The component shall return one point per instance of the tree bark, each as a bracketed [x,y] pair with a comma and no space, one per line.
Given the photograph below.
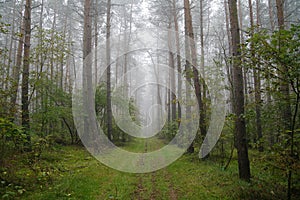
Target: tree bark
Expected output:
[229,62]
[108,71]
[172,76]
[188,73]
[202,67]
[89,104]
[25,74]
[17,68]
[240,126]
[286,110]
[284,85]
[257,88]
[190,37]
[176,26]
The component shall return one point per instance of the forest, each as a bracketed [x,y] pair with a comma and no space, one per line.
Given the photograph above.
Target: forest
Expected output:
[153,100]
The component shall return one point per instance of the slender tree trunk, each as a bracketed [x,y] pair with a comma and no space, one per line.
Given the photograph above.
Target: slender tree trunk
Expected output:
[268,89]
[158,90]
[96,19]
[172,75]
[229,62]
[176,26]
[245,70]
[284,85]
[26,65]
[126,56]
[190,37]
[257,87]
[240,126]
[11,42]
[188,79]
[271,15]
[88,92]
[286,110]
[17,68]
[40,60]
[63,57]
[108,71]
[52,47]
[256,77]
[202,67]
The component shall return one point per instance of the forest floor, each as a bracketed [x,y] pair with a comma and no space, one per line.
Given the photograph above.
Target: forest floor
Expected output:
[72,173]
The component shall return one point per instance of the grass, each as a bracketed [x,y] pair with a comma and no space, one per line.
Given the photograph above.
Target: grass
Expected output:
[72,173]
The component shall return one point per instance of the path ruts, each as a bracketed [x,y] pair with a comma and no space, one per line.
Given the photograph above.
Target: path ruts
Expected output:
[142,192]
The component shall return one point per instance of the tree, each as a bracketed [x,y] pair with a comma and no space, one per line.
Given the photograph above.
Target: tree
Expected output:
[238,95]
[89,104]
[17,67]
[179,81]
[25,73]
[275,56]
[256,76]
[108,70]
[284,85]
[189,33]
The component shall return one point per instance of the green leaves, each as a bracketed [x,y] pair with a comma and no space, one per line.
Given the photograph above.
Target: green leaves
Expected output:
[276,50]
[11,133]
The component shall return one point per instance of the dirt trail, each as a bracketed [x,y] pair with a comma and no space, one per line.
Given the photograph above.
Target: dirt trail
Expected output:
[142,191]
[172,191]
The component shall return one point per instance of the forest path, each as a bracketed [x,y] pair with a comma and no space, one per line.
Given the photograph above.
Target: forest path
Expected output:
[157,184]
[71,173]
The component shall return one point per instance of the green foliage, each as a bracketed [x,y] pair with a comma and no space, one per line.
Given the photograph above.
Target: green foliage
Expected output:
[12,138]
[52,48]
[280,48]
[277,55]
[169,131]
[119,137]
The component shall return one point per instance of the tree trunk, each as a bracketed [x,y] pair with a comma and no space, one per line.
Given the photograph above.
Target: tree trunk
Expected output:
[89,105]
[176,26]
[257,87]
[240,127]
[271,15]
[229,62]
[188,79]
[108,71]
[286,110]
[190,37]
[284,85]
[202,67]
[172,76]
[11,43]
[17,68]
[96,18]
[25,74]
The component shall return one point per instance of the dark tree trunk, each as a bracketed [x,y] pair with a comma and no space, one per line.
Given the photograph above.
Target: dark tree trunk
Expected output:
[286,110]
[257,87]
[196,80]
[108,71]
[176,26]
[240,127]
[25,74]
